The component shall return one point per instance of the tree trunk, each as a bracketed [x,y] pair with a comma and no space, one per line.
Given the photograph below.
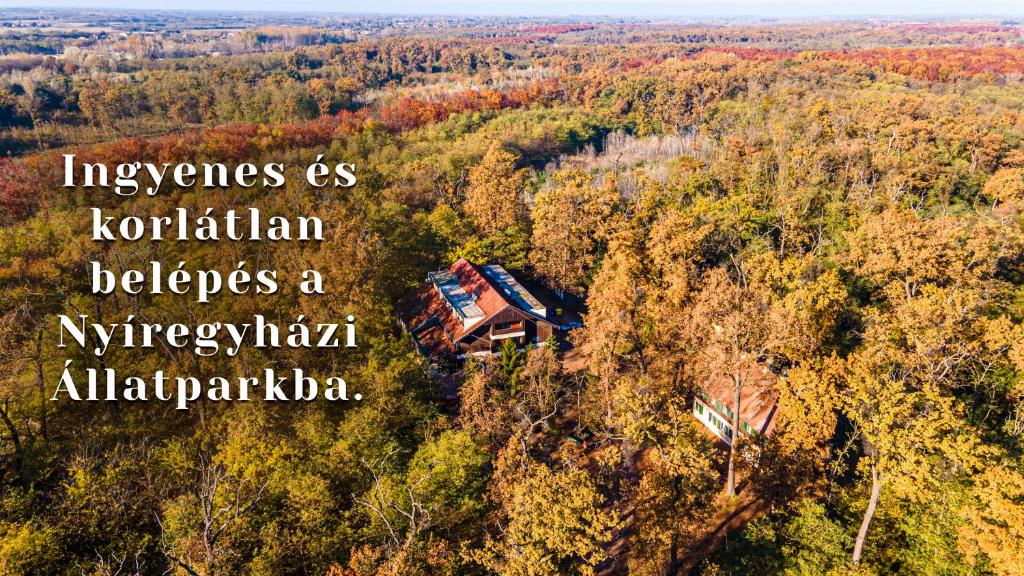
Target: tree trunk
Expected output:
[876,490]
[730,479]
[35,130]
[41,384]
[15,437]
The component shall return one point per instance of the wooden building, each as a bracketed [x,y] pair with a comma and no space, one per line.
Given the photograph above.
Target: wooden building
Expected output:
[469,310]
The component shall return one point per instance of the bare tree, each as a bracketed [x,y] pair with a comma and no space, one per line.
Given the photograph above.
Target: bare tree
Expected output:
[115,565]
[220,506]
[414,513]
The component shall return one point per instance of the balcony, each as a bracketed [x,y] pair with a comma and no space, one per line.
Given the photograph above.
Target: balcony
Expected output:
[511,330]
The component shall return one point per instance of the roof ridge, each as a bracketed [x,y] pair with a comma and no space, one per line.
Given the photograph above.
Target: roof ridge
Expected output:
[487,278]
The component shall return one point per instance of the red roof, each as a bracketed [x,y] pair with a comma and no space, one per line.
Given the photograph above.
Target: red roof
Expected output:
[473,297]
[757,397]
[488,298]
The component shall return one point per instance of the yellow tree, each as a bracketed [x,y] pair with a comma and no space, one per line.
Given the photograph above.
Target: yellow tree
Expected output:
[806,301]
[483,409]
[730,324]
[910,427]
[537,400]
[993,526]
[676,245]
[1006,186]
[794,457]
[493,201]
[615,320]
[898,252]
[569,225]
[675,248]
[936,277]
[677,469]
[555,522]
[678,480]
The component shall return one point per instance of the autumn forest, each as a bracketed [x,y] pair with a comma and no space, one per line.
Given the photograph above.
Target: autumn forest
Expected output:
[834,207]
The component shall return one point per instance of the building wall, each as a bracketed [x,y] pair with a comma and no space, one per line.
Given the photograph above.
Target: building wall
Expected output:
[721,423]
[712,420]
[542,331]
[479,339]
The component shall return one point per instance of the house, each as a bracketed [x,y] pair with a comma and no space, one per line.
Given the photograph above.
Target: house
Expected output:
[713,404]
[470,310]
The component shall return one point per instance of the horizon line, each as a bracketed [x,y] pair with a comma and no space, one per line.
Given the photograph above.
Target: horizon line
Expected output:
[693,17]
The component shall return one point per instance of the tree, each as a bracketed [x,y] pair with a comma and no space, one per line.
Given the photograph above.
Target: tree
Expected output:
[570,226]
[794,458]
[806,303]
[615,320]
[509,247]
[911,431]
[1006,186]
[676,247]
[511,359]
[450,473]
[927,343]
[219,501]
[993,520]
[555,524]
[813,543]
[674,494]
[729,322]
[441,489]
[493,201]
[28,549]
[898,252]
[539,394]
[483,408]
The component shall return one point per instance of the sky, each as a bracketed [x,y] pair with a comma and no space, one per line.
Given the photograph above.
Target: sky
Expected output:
[790,9]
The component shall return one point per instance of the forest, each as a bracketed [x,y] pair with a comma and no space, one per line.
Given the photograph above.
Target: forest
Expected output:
[840,201]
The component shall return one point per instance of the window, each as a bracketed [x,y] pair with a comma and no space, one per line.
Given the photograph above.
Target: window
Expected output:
[503,325]
[698,408]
